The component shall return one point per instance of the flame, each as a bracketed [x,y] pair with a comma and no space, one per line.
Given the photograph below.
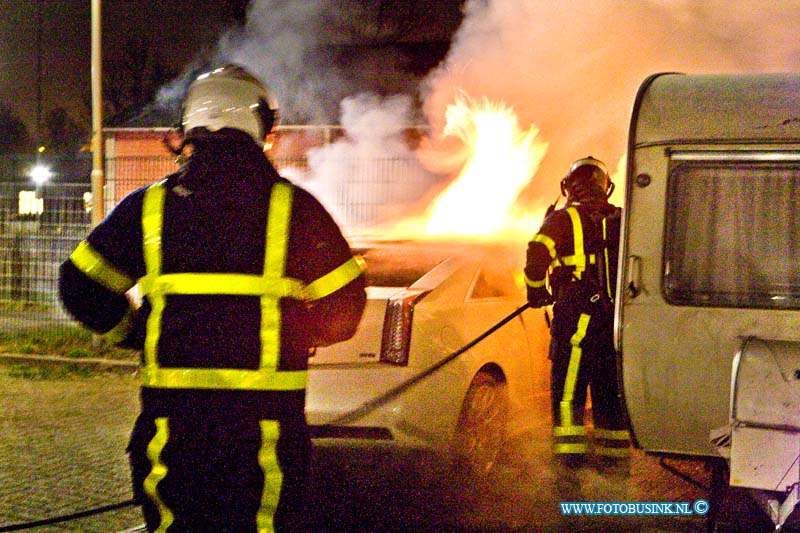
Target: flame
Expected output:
[499,160]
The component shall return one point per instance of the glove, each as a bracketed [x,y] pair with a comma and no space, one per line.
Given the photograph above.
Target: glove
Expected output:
[539,297]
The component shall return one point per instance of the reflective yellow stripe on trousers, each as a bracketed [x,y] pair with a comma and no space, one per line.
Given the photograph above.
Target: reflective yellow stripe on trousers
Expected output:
[567,427]
[158,472]
[273,477]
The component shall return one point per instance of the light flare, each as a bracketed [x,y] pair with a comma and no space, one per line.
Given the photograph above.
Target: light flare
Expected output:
[499,159]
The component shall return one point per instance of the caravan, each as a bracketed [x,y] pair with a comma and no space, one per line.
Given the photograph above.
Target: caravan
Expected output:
[708,307]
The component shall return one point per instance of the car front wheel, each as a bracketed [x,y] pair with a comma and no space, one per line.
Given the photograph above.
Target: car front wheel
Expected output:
[481,428]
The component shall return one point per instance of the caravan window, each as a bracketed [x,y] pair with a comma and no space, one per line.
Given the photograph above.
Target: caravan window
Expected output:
[733,233]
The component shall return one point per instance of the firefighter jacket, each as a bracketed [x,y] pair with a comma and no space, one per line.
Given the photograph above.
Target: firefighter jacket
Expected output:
[242,274]
[567,260]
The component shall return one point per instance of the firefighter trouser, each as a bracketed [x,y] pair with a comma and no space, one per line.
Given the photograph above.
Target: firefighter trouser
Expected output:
[200,476]
[582,355]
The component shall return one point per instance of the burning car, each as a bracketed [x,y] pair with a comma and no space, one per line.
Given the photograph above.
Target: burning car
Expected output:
[410,376]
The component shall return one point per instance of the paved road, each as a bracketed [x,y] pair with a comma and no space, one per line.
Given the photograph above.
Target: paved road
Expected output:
[62,450]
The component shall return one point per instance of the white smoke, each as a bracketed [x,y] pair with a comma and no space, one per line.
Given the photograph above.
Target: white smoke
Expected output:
[572,68]
[315,53]
[372,170]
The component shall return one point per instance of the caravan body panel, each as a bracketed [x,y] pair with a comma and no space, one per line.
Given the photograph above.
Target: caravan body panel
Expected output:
[710,252]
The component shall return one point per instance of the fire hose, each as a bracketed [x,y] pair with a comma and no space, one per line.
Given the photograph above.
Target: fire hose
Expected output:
[392,393]
[67,518]
[351,416]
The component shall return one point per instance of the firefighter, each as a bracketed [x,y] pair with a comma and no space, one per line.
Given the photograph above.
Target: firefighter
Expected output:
[242,274]
[571,263]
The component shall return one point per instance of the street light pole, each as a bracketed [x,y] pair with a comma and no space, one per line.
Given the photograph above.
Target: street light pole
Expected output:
[39,22]
[98,152]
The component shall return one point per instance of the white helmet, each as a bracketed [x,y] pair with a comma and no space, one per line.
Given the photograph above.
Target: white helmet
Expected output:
[230,97]
[588,162]
[587,170]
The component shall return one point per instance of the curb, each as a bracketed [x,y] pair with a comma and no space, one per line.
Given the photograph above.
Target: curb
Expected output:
[92,363]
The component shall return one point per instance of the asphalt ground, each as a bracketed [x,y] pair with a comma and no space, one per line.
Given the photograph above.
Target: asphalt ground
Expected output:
[62,450]
[65,426]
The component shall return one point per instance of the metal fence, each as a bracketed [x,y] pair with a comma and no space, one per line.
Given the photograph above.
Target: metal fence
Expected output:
[41,225]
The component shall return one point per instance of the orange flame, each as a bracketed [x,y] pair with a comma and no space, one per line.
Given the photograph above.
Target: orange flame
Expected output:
[499,160]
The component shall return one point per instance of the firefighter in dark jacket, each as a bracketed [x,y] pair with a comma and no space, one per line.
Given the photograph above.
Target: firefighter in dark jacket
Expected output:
[571,262]
[242,274]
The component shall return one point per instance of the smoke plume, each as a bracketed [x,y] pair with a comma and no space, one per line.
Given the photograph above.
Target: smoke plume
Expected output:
[569,68]
[374,143]
[573,68]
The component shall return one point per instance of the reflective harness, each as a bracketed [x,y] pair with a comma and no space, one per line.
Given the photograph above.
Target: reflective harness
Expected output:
[579,258]
[270,287]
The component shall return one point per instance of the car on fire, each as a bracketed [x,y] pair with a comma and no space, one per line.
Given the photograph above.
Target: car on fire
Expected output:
[427,301]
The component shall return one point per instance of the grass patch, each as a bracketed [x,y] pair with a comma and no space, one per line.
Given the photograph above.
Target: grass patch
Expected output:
[68,341]
[79,353]
[18,305]
[48,372]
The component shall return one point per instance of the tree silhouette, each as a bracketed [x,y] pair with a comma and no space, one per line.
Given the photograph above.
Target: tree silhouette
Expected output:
[64,135]
[131,82]
[14,136]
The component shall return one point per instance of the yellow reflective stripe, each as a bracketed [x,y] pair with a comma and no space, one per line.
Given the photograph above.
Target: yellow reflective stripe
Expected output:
[606,266]
[335,279]
[280,209]
[158,472]
[153,329]
[577,238]
[569,431]
[273,477]
[226,283]
[572,370]
[98,269]
[573,260]
[223,378]
[612,434]
[570,447]
[277,236]
[535,284]
[548,243]
[152,218]
[123,327]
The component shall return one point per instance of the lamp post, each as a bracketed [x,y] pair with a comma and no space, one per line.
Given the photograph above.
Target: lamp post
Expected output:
[98,152]
[39,22]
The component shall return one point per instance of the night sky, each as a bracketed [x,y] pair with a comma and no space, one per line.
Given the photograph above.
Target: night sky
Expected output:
[180,27]
[183,32]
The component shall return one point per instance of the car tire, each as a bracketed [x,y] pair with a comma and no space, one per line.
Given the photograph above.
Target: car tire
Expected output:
[481,429]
